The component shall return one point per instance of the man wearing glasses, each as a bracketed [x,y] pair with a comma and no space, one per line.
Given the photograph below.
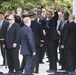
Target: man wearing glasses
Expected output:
[12,44]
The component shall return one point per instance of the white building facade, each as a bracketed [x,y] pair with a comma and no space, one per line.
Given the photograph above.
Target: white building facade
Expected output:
[74,8]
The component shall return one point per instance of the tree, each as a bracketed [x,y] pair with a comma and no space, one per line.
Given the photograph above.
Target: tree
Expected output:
[67,4]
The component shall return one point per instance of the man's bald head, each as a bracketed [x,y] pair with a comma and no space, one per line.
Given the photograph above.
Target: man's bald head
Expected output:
[27,21]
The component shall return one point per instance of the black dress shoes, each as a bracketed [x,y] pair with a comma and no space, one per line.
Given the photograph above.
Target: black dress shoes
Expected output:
[48,71]
[18,73]
[2,65]
[21,70]
[10,73]
[1,73]
[51,71]
[36,72]
[28,74]
[41,62]
[14,73]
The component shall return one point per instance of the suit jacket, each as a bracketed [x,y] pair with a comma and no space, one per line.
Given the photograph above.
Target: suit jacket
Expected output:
[37,30]
[52,27]
[69,39]
[12,35]
[63,31]
[27,41]
[3,29]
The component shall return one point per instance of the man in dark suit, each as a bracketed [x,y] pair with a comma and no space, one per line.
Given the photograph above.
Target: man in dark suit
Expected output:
[37,30]
[12,44]
[39,20]
[3,30]
[25,11]
[53,38]
[28,45]
[69,43]
[62,27]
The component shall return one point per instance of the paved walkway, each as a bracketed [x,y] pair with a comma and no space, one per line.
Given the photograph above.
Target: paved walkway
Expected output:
[42,70]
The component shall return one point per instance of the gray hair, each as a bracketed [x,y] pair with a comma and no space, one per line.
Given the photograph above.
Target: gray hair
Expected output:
[72,16]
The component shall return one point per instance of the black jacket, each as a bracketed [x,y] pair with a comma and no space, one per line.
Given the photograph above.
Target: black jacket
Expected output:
[69,39]
[62,31]
[3,29]
[12,35]
[37,30]
[52,27]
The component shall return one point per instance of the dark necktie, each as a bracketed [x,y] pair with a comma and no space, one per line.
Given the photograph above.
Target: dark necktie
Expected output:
[47,24]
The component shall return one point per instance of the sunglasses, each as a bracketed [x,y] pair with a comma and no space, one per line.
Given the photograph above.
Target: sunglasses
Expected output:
[9,19]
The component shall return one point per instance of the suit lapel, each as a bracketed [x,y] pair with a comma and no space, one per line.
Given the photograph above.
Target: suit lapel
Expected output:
[11,27]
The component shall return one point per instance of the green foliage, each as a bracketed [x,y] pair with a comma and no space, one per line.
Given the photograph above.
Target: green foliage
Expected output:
[67,4]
